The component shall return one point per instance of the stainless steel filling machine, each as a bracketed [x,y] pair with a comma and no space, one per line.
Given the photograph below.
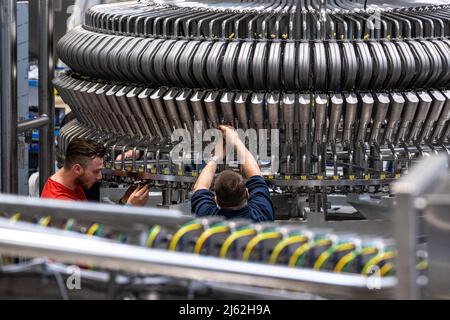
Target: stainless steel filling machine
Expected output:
[357,94]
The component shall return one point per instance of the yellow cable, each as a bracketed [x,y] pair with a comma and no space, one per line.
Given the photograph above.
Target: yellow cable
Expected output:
[152,236]
[234,236]
[181,232]
[257,239]
[386,268]
[321,242]
[350,256]
[93,229]
[303,248]
[344,260]
[422,265]
[45,221]
[377,259]
[327,253]
[206,234]
[369,250]
[283,244]
[297,253]
[7,260]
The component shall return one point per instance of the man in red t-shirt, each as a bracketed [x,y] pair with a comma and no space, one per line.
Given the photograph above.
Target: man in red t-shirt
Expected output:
[83,165]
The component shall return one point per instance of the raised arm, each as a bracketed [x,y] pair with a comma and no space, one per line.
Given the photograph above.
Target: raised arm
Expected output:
[206,177]
[249,165]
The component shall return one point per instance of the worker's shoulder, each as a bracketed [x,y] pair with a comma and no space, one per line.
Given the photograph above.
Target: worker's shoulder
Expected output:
[55,190]
[256,177]
[58,195]
[256,181]
[201,190]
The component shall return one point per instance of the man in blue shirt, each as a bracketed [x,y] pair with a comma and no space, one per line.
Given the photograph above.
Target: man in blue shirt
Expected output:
[233,197]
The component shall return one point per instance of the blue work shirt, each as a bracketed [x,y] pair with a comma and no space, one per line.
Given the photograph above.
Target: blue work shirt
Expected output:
[258,209]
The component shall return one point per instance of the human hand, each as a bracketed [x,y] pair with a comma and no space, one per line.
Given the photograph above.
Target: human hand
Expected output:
[127,194]
[230,134]
[128,155]
[139,196]
[219,151]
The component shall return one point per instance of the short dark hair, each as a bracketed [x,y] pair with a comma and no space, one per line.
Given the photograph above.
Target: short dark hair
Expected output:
[81,151]
[230,189]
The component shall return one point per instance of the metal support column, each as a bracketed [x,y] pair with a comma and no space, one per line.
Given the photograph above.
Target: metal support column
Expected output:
[46,91]
[427,177]
[8,96]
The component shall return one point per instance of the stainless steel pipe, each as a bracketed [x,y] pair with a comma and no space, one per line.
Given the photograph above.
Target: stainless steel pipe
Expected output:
[46,91]
[9,169]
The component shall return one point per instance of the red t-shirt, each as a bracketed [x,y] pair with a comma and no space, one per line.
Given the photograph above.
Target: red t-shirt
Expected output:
[56,190]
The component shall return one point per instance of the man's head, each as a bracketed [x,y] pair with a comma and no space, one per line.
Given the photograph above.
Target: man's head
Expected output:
[84,160]
[231,193]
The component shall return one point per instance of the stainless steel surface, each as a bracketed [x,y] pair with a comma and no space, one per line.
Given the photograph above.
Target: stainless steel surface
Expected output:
[46,91]
[8,96]
[138,218]
[356,101]
[335,117]
[32,124]
[396,108]
[437,228]
[427,177]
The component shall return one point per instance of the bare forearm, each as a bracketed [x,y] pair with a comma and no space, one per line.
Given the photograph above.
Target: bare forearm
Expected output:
[206,177]
[249,165]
